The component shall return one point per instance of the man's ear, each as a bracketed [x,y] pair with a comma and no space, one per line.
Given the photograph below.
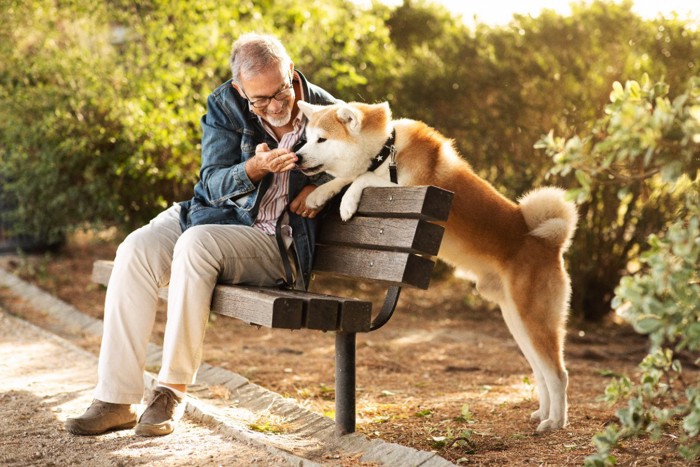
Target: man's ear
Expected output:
[350,117]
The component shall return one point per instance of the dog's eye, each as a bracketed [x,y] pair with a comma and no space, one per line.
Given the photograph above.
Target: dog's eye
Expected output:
[321,140]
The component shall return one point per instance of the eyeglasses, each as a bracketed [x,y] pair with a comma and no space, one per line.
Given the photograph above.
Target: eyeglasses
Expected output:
[281,95]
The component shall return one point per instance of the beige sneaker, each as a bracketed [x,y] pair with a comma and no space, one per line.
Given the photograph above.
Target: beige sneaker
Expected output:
[102,417]
[162,413]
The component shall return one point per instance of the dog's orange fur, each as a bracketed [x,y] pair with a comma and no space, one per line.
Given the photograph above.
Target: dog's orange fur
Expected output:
[514,250]
[489,228]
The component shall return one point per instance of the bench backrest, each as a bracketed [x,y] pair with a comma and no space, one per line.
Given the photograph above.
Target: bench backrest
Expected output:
[391,238]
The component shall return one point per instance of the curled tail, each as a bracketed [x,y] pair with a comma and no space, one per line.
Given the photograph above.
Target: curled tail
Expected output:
[549,216]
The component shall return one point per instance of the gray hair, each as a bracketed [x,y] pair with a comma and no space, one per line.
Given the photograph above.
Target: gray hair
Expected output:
[254,53]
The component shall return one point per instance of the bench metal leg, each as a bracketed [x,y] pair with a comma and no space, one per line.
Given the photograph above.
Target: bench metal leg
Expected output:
[345,382]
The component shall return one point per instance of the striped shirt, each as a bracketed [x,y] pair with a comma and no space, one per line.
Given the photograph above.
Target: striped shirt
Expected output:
[275,198]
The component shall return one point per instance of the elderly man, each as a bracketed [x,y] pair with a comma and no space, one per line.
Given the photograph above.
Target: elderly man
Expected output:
[236,229]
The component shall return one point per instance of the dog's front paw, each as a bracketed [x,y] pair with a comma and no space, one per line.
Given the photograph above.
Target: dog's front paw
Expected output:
[317,199]
[348,206]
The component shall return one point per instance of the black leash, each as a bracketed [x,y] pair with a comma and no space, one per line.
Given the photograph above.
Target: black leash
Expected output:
[288,281]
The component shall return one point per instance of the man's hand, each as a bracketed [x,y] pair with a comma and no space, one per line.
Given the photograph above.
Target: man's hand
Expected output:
[267,161]
[298,205]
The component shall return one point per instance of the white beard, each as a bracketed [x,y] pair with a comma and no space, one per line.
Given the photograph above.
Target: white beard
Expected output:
[279,119]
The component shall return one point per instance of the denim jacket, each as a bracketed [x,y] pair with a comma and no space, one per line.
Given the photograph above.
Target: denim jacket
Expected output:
[224,193]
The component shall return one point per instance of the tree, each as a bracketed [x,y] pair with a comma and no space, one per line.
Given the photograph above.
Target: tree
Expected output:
[496,90]
[60,145]
[100,104]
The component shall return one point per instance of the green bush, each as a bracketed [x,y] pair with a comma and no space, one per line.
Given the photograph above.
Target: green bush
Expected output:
[662,302]
[60,130]
[638,174]
[631,172]
[100,101]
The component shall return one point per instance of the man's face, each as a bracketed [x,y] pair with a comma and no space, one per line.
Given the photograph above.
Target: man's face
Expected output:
[271,95]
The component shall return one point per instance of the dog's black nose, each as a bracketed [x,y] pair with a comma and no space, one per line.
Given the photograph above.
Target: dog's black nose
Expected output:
[300,160]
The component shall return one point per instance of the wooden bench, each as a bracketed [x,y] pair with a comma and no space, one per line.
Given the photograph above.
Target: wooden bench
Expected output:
[391,240]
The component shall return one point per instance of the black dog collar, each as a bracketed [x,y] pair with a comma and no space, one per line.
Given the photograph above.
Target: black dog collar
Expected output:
[388,150]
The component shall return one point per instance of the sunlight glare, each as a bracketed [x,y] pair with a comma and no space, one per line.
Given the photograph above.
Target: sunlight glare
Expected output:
[500,12]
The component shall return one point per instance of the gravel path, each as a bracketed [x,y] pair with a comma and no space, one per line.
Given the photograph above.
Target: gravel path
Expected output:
[46,379]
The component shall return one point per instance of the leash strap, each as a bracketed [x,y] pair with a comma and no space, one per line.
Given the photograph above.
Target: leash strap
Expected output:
[393,175]
[287,282]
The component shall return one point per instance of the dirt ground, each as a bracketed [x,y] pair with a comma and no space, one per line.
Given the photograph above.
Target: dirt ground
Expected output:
[46,379]
[444,375]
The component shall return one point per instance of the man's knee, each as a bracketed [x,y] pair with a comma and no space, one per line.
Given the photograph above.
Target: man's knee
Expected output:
[197,243]
[135,245]
[142,249]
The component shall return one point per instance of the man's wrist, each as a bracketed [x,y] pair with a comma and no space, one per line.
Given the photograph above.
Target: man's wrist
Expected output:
[252,169]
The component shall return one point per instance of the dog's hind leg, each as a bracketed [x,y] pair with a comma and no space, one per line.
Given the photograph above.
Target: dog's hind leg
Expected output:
[535,315]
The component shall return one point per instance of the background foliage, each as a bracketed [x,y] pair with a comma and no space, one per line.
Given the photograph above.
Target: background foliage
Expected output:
[99,125]
[662,302]
[100,101]
[638,181]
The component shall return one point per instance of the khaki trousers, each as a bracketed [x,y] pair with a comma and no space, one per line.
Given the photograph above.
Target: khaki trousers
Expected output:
[190,264]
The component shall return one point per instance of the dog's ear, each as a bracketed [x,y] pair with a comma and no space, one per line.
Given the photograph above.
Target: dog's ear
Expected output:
[350,117]
[386,108]
[308,109]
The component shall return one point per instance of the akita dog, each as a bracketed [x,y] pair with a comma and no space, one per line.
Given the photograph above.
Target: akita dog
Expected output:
[513,251]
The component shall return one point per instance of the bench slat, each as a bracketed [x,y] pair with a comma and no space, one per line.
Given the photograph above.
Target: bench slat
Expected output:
[243,303]
[287,309]
[389,267]
[353,315]
[411,235]
[251,306]
[319,312]
[423,202]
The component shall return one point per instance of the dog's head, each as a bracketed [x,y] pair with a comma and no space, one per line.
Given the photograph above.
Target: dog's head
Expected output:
[343,138]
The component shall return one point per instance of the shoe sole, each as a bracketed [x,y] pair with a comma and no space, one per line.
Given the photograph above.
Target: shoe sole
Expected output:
[76,430]
[161,429]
